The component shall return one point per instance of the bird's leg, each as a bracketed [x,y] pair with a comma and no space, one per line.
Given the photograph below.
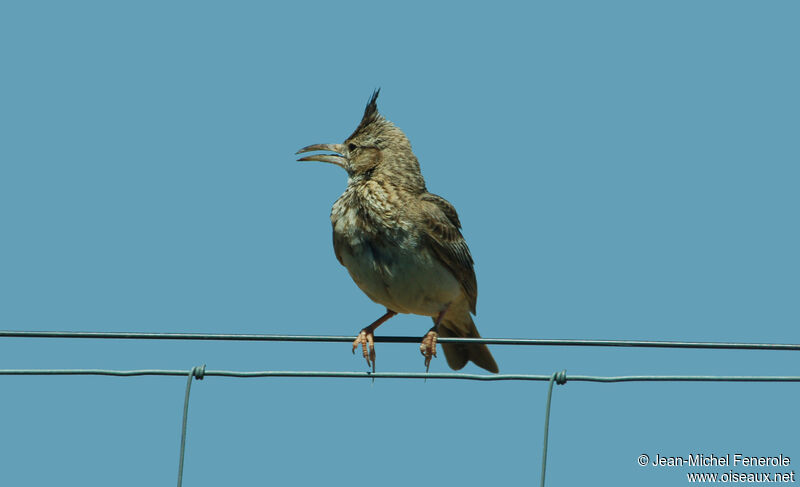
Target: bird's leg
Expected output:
[367,338]
[428,346]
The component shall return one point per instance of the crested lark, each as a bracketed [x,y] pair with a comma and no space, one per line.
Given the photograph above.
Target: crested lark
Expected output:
[401,244]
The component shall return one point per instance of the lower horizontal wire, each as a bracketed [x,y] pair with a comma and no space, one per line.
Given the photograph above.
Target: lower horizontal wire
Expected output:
[404,375]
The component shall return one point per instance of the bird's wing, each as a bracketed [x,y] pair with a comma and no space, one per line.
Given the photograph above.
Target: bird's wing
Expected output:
[337,246]
[442,229]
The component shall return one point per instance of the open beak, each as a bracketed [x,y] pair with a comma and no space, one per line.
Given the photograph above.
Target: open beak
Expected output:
[337,158]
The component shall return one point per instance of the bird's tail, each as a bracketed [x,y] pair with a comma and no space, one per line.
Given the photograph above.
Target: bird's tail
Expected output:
[458,354]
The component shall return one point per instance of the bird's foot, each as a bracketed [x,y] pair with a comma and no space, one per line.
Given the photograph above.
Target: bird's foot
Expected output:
[428,347]
[366,339]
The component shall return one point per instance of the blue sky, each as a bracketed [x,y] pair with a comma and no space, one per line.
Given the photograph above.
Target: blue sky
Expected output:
[622,170]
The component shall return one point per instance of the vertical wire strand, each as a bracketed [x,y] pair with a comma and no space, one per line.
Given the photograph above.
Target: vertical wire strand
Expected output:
[199,373]
[561,378]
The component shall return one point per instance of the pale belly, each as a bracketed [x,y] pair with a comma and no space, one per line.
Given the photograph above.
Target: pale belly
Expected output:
[403,280]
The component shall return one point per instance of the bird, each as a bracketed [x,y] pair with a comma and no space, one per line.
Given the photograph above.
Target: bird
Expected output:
[401,244]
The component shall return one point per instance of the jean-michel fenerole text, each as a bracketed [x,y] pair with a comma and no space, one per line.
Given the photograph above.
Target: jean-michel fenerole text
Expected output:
[727,460]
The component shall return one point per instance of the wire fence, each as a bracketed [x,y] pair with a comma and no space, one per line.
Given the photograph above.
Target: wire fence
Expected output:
[200,372]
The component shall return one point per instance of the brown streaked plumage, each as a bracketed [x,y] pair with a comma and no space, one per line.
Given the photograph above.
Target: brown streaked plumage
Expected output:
[401,244]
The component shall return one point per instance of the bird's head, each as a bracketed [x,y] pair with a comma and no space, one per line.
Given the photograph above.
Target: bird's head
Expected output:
[376,144]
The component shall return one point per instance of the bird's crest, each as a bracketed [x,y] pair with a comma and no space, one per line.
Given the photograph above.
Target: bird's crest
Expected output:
[371,113]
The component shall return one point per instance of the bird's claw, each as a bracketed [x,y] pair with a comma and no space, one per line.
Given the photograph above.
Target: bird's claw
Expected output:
[428,347]
[367,341]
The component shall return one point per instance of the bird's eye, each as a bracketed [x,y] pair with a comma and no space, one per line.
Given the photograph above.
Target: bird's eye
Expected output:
[351,146]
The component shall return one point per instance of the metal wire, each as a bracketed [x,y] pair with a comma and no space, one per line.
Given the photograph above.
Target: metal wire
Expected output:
[561,379]
[396,339]
[198,373]
[408,375]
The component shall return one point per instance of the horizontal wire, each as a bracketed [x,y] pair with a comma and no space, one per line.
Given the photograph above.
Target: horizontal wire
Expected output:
[396,339]
[404,375]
